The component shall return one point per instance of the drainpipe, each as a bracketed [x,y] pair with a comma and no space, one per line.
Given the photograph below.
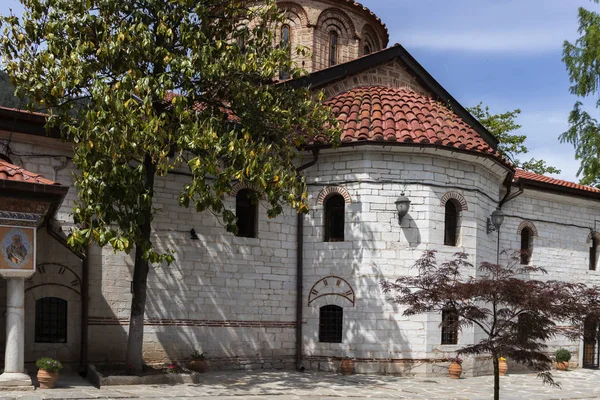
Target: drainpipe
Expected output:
[300,269]
[83,354]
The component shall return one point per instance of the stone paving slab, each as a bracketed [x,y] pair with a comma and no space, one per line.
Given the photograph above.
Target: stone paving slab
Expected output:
[280,385]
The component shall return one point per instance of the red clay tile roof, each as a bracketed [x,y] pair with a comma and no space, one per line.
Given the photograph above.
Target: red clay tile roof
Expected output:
[383,114]
[11,172]
[530,176]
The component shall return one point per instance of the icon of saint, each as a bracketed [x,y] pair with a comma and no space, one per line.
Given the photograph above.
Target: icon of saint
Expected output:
[16,251]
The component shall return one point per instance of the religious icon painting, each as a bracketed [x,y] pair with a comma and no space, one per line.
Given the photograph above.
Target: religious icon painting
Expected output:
[17,248]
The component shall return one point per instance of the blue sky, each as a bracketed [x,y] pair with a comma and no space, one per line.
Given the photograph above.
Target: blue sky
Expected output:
[504,53]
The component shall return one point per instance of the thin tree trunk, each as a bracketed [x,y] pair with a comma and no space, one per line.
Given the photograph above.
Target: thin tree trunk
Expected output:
[135,339]
[496,378]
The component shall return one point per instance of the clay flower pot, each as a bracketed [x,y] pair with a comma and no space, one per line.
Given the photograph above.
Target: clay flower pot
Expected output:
[347,366]
[47,379]
[455,370]
[502,367]
[198,365]
[562,365]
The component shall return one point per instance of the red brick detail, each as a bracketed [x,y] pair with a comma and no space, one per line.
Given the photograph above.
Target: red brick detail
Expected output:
[387,115]
[11,172]
[457,197]
[530,176]
[527,224]
[291,9]
[329,190]
[240,186]
[336,16]
[194,322]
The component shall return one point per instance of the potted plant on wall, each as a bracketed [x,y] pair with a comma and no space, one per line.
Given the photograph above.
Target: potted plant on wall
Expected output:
[48,370]
[562,357]
[199,363]
[455,368]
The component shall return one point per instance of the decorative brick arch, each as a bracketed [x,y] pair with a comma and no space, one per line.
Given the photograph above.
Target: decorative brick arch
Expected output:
[240,186]
[595,235]
[293,11]
[457,198]
[527,224]
[370,37]
[338,15]
[330,190]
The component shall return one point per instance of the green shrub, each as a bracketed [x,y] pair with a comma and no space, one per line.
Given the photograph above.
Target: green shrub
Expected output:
[48,364]
[562,355]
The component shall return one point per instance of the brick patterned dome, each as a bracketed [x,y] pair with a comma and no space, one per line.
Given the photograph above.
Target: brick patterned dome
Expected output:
[382,114]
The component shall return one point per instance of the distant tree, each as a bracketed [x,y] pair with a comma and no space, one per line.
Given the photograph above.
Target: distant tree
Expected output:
[511,145]
[582,60]
[516,314]
[141,88]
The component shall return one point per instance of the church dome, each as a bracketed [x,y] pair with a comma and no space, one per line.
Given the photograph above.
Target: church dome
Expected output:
[387,115]
[335,31]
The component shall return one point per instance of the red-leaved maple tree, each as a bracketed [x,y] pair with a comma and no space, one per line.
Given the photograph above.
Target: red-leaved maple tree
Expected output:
[511,305]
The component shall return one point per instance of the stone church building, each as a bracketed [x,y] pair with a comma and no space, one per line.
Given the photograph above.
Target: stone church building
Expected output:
[301,291]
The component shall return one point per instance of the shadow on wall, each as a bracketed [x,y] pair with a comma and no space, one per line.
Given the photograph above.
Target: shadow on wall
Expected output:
[372,332]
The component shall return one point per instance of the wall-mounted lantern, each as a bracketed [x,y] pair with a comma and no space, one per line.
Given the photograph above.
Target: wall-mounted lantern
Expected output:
[495,221]
[402,205]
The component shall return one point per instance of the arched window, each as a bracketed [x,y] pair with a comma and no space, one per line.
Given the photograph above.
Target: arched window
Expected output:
[449,326]
[285,44]
[51,320]
[593,253]
[335,211]
[526,245]
[367,50]
[451,224]
[246,212]
[331,319]
[333,48]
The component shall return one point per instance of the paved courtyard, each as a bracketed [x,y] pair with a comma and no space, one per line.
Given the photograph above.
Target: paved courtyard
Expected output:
[578,384]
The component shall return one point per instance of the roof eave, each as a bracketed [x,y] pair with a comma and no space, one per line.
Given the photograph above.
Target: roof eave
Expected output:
[556,189]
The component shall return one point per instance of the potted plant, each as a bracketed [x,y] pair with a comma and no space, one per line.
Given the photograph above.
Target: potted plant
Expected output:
[502,366]
[199,363]
[455,368]
[347,366]
[48,370]
[562,357]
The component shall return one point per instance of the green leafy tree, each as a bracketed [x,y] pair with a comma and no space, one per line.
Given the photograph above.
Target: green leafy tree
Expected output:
[143,87]
[582,60]
[511,145]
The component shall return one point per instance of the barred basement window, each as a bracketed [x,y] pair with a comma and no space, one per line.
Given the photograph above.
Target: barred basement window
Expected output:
[451,224]
[51,320]
[593,254]
[330,324]
[526,245]
[449,330]
[246,213]
[335,210]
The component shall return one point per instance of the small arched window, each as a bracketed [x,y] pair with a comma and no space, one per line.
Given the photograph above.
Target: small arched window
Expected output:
[526,245]
[451,224]
[367,50]
[449,325]
[335,211]
[331,321]
[51,320]
[593,253]
[333,48]
[285,44]
[247,213]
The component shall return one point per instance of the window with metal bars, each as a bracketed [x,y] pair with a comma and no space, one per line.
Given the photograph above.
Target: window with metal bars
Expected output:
[246,213]
[333,48]
[526,245]
[449,327]
[51,320]
[331,320]
[451,224]
[335,210]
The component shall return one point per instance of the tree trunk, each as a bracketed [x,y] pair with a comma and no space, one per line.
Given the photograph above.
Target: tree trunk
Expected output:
[135,339]
[496,378]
